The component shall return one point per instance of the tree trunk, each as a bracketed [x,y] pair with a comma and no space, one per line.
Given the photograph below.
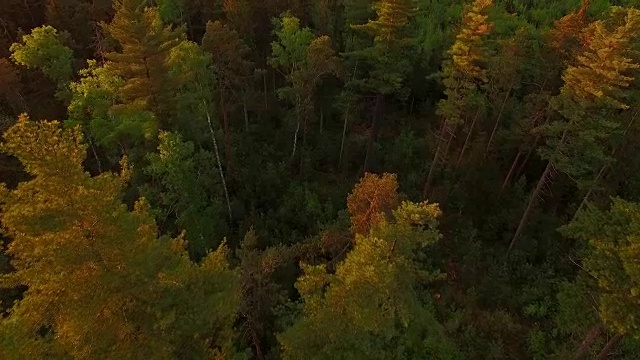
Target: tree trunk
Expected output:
[603,168]
[534,196]
[495,127]
[466,140]
[307,111]
[427,185]
[227,130]
[512,170]
[609,347]
[295,136]
[321,120]
[588,341]
[532,200]
[344,133]
[375,129]
[215,147]
[266,99]
[95,154]
[246,114]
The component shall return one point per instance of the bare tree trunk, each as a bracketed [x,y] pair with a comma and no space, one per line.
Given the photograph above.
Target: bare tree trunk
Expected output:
[532,200]
[344,133]
[495,127]
[295,141]
[227,130]
[609,347]
[246,114]
[321,120]
[588,341]
[434,161]
[375,128]
[534,196]
[588,194]
[266,99]
[215,147]
[295,136]
[512,170]
[95,154]
[466,140]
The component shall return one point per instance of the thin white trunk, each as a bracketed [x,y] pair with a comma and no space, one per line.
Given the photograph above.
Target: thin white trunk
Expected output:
[215,146]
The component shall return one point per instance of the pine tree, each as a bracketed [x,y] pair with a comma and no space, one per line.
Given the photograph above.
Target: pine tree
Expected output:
[372,196]
[372,308]
[145,44]
[100,282]
[462,77]
[610,259]
[594,89]
[387,58]
[233,73]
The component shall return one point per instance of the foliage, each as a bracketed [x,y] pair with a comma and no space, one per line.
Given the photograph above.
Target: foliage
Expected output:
[44,49]
[609,259]
[95,271]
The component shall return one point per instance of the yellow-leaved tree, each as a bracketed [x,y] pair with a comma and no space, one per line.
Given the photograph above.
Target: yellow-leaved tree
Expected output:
[100,284]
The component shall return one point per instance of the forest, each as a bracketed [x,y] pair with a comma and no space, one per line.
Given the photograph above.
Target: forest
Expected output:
[320,179]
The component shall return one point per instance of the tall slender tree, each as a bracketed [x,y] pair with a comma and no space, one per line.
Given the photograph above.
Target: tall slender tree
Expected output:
[594,89]
[463,74]
[387,59]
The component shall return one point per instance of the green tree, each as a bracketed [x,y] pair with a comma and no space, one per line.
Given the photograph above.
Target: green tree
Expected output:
[44,49]
[387,60]
[179,193]
[610,260]
[145,45]
[100,282]
[232,71]
[594,89]
[372,307]
[304,60]
[463,74]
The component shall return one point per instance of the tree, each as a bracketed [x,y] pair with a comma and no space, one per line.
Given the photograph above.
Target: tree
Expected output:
[100,282]
[463,74]
[43,49]
[232,71]
[372,198]
[387,59]
[371,308]
[612,238]
[304,61]
[593,91]
[180,195]
[145,44]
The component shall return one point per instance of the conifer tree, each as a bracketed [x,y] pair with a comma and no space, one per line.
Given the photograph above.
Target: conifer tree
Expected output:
[372,197]
[145,44]
[594,88]
[387,59]
[232,70]
[610,259]
[100,282]
[372,308]
[463,75]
